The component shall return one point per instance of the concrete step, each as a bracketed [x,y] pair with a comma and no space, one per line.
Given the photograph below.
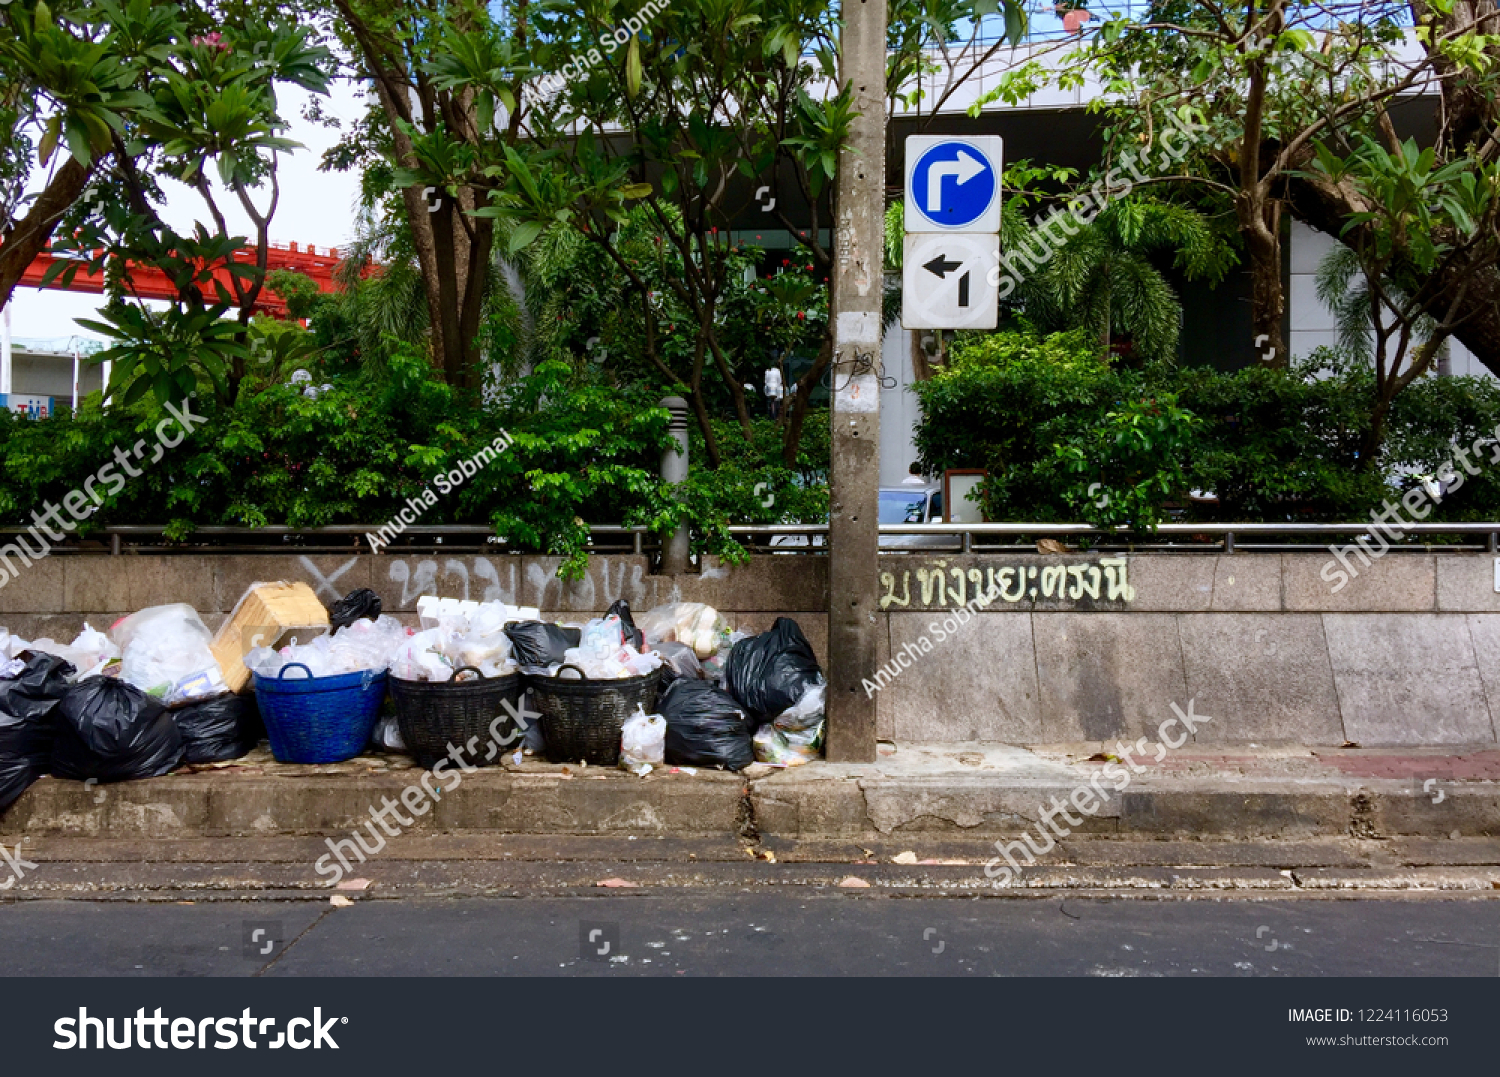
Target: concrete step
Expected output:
[973,795]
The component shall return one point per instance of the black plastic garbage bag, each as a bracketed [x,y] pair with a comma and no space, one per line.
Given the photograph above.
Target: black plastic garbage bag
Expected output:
[705,728]
[218,729]
[26,706]
[110,730]
[537,643]
[770,672]
[635,639]
[356,604]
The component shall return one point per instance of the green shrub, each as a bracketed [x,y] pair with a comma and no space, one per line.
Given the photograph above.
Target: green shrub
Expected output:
[1067,435]
[583,451]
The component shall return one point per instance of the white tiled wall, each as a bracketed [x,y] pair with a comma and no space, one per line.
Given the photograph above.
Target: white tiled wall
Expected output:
[1310,323]
[899,410]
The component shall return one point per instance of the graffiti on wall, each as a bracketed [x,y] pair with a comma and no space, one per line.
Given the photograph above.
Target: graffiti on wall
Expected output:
[940,586]
[484,579]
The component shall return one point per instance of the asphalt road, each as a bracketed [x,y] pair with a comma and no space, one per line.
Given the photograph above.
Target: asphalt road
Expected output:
[754,934]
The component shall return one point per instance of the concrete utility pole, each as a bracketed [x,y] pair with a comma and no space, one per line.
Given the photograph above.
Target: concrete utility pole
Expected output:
[854,538]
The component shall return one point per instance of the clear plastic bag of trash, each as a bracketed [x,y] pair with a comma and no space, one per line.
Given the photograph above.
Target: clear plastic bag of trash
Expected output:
[164,651]
[602,637]
[807,712]
[386,736]
[680,659]
[488,654]
[89,653]
[699,626]
[360,646]
[365,644]
[420,658]
[643,740]
[787,749]
[622,664]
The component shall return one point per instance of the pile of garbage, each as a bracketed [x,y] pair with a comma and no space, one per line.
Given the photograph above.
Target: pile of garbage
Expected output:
[605,648]
[158,689]
[731,698]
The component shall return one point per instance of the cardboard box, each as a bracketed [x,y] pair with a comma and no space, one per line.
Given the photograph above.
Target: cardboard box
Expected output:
[267,615]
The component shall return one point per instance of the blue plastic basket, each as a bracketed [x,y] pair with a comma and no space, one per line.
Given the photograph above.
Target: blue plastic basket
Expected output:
[319,719]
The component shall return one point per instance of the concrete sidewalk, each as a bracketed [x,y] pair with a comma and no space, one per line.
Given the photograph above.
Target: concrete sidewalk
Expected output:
[954,793]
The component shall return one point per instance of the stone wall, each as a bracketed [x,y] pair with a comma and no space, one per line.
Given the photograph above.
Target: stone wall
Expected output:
[1077,648]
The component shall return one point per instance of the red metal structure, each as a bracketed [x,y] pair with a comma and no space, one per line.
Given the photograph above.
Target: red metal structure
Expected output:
[146,282]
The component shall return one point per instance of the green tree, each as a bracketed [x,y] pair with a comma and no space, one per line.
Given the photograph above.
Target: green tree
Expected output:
[1102,278]
[190,91]
[1425,219]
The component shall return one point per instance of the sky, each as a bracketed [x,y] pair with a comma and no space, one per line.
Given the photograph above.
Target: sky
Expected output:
[316,207]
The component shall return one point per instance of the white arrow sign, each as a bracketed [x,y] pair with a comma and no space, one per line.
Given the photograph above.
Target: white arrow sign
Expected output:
[964,169]
[953,183]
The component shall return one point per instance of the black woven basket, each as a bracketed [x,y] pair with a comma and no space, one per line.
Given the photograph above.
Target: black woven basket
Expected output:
[582,719]
[434,714]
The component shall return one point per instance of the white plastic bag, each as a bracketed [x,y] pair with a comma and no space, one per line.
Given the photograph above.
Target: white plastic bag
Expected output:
[387,735]
[164,651]
[365,644]
[96,650]
[643,740]
[806,712]
[420,658]
[89,653]
[484,644]
[699,626]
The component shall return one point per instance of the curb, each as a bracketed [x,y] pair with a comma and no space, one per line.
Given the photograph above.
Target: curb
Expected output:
[497,801]
[788,805]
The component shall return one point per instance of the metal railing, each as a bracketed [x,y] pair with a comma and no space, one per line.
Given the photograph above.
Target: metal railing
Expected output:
[1176,537]
[1210,537]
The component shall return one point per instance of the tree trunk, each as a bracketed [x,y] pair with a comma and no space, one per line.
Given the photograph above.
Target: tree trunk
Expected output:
[453,251]
[792,439]
[1260,225]
[28,237]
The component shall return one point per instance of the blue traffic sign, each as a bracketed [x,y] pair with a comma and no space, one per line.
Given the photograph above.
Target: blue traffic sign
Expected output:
[953,184]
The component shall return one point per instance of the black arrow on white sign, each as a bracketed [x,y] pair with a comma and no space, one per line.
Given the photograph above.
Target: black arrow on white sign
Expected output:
[940,267]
